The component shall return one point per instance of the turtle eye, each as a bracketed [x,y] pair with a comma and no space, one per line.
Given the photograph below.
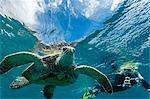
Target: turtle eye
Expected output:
[74,50]
[64,49]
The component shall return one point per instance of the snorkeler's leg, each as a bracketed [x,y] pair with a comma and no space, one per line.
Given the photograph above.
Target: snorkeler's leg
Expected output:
[116,88]
[98,89]
[91,94]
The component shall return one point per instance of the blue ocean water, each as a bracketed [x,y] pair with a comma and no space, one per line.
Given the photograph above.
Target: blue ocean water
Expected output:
[125,36]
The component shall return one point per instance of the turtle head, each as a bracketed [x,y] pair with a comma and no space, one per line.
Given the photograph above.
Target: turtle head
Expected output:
[66,57]
[68,50]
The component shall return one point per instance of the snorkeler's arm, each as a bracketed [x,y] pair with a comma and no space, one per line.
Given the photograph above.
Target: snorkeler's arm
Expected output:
[144,83]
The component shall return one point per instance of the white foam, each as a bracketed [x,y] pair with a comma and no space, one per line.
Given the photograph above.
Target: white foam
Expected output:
[115,4]
[22,10]
[96,9]
[26,12]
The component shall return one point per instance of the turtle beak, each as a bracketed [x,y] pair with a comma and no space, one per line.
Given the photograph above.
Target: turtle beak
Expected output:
[72,50]
[68,49]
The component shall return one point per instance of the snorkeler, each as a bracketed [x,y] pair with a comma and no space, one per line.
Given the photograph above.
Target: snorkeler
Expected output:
[126,77]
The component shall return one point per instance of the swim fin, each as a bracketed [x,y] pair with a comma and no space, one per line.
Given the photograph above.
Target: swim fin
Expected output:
[89,95]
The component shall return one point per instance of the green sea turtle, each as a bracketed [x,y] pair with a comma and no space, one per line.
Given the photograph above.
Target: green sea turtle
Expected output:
[51,70]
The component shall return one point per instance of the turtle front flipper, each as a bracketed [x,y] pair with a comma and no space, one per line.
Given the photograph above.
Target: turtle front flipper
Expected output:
[18,59]
[48,91]
[95,74]
[19,83]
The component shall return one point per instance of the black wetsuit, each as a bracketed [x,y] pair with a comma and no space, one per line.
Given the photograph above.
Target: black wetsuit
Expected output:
[118,81]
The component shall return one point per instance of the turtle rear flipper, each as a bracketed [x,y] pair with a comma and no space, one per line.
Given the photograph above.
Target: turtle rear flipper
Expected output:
[95,74]
[19,83]
[48,91]
[17,59]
